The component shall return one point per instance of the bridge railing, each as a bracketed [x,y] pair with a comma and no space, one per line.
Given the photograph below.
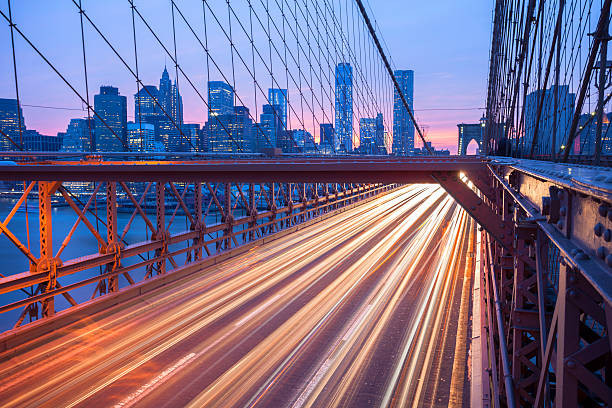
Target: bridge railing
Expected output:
[68,242]
[547,298]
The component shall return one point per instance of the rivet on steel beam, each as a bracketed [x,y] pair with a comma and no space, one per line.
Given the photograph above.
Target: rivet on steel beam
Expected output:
[571,278]
[560,224]
[609,260]
[598,229]
[607,235]
[610,215]
[571,292]
[563,211]
[603,210]
[570,364]
[601,252]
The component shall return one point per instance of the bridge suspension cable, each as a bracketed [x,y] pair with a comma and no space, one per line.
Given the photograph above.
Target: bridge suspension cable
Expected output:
[548,87]
[305,63]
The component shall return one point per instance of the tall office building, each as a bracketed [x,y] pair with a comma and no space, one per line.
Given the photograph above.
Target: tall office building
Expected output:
[170,122]
[372,135]
[270,127]
[170,99]
[192,134]
[278,97]
[344,107]
[586,135]
[11,117]
[231,133]
[220,99]
[565,111]
[367,135]
[79,135]
[141,137]
[326,138]
[403,127]
[146,105]
[379,141]
[111,126]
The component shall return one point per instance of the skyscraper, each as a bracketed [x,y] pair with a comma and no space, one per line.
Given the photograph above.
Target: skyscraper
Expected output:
[379,139]
[170,122]
[403,127]
[146,105]
[270,126]
[367,135]
[326,134]
[220,99]
[231,133]
[11,117]
[79,136]
[111,126]
[192,134]
[565,111]
[344,107]
[170,99]
[278,97]
[141,137]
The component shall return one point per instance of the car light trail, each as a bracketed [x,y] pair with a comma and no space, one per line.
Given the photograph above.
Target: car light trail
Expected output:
[349,311]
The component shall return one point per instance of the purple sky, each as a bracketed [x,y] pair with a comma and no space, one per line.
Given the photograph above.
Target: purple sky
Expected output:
[446,44]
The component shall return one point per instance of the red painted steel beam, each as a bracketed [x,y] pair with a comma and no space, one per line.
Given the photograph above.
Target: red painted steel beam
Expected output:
[279,171]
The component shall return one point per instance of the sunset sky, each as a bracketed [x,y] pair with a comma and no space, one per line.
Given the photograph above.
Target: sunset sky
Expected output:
[445,42]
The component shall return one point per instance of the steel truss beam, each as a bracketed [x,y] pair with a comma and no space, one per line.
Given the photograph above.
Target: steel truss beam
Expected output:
[554,300]
[247,213]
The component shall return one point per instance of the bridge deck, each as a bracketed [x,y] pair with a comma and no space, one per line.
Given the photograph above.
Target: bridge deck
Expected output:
[352,310]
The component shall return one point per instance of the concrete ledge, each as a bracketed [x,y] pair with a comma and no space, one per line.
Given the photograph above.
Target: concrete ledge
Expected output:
[31,332]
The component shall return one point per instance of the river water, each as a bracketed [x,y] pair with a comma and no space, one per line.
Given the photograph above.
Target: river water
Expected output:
[82,243]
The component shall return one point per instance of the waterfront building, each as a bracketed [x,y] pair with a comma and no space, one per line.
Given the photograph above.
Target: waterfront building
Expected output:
[35,142]
[79,135]
[12,124]
[141,137]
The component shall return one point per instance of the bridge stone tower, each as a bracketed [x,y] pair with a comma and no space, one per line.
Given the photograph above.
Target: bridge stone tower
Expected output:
[469,132]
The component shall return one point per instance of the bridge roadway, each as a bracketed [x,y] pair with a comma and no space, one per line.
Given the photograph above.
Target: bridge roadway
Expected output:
[366,308]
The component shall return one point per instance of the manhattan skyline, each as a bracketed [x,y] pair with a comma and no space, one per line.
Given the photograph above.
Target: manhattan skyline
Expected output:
[445,70]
